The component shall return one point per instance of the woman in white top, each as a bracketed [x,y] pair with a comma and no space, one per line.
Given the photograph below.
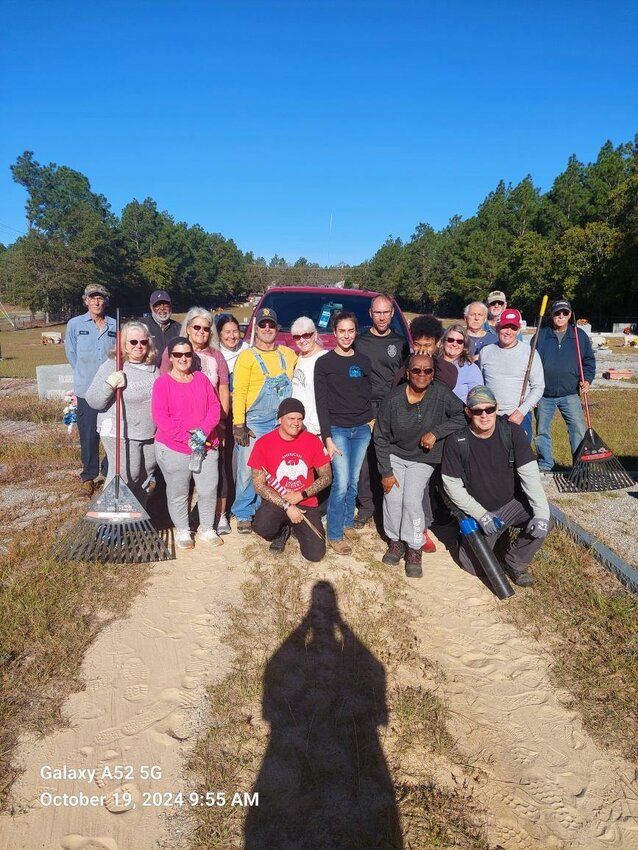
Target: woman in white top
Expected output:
[230,346]
[306,338]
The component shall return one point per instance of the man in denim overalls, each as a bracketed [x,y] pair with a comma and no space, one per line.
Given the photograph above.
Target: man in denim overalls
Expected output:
[262,378]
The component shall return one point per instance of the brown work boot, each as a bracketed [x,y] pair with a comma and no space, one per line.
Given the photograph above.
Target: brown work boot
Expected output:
[86,488]
[340,547]
[350,533]
[394,553]
[413,568]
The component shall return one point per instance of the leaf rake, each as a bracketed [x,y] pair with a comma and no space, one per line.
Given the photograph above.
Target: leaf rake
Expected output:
[116,528]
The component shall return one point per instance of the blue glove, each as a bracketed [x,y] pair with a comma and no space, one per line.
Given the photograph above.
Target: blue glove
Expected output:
[538,527]
[490,523]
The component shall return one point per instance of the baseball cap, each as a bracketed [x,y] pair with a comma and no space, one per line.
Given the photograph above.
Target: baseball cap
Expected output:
[159,295]
[96,289]
[497,295]
[480,395]
[562,304]
[509,317]
[290,405]
[265,313]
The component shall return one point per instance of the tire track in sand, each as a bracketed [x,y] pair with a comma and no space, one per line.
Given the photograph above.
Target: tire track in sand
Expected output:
[546,783]
[144,699]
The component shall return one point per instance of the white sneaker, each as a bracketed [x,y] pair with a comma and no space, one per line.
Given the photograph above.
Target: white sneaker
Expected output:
[210,536]
[183,539]
[223,526]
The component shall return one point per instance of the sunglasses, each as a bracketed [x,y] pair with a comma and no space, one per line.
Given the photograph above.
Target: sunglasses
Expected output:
[562,312]
[135,342]
[478,411]
[499,303]
[426,371]
[200,327]
[270,325]
[306,335]
[179,354]
[455,340]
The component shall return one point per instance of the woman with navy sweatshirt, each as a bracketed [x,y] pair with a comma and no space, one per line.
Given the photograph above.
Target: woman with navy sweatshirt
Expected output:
[342,393]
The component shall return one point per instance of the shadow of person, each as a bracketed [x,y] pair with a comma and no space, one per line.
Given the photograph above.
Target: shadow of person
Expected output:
[324,781]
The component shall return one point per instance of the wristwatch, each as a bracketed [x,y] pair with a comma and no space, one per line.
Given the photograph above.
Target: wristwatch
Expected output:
[285,505]
[304,495]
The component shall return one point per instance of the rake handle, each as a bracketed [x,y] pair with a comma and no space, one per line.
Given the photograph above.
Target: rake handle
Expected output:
[582,376]
[118,403]
[533,345]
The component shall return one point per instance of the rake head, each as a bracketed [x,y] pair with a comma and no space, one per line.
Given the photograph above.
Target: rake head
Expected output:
[595,468]
[116,529]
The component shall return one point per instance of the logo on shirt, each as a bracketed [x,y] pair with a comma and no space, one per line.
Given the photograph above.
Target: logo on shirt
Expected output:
[355,372]
[299,377]
[290,470]
[392,350]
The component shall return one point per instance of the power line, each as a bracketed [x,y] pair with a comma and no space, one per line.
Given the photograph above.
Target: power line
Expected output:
[15,230]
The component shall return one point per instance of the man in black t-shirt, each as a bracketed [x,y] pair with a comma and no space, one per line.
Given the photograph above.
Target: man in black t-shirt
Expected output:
[490,473]
[387,352]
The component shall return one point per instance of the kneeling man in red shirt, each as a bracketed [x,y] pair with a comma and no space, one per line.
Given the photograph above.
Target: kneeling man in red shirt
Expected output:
[283,465]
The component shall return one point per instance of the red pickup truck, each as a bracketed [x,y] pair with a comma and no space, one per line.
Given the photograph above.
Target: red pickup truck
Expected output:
[319,303]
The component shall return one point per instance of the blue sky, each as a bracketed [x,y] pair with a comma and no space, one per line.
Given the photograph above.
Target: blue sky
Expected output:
[311,129]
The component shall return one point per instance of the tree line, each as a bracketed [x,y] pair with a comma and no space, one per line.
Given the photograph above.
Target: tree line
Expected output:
[578,240]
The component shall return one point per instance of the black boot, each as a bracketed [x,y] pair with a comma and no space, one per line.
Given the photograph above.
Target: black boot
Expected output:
[279,543]
[413,568]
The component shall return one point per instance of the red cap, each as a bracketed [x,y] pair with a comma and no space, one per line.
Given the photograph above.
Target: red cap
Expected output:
[509,317]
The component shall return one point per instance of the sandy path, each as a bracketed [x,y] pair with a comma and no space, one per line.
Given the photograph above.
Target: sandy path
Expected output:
[146,678]
[546,785]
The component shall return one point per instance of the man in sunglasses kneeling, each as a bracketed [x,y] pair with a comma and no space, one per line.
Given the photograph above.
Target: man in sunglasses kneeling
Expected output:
[490,473]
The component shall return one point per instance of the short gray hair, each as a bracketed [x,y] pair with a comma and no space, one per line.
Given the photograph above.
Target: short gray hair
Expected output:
[480,304]
[201,313]
[303,323]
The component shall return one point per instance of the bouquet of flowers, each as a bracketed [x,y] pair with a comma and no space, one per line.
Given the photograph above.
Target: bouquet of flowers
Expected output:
[70,411]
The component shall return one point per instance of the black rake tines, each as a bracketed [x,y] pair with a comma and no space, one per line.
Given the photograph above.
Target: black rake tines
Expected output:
[595,469]
[115,529]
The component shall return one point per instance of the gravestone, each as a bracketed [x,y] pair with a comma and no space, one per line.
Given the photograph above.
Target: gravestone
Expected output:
[54,381]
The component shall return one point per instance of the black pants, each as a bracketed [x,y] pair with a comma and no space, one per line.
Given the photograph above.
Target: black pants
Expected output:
[269,521]
[89,441]
[369,490]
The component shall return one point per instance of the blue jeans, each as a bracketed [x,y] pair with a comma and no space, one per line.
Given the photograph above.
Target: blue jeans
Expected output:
[352,443]
[89,442]
[526,424]
[246,500]
[572,412]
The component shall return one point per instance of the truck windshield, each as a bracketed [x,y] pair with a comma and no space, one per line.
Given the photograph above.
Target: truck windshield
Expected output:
[320,306]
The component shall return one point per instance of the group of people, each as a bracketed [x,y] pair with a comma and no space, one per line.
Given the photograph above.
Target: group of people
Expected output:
[287,441]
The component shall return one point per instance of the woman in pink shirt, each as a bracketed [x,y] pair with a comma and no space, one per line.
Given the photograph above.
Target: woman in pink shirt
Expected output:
[184,401]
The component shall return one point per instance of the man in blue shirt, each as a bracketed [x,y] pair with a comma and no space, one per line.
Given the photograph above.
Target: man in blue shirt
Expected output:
[557,350]
[89,339]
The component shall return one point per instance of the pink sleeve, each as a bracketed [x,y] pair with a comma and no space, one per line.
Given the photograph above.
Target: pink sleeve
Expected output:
[159,408]
[213,407]
[222,368]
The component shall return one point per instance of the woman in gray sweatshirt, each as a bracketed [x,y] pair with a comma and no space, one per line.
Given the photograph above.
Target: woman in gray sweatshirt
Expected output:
[136,378]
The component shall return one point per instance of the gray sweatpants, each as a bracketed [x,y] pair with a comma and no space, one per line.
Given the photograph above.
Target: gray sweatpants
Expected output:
[137,460]
[403,517]
[174,466]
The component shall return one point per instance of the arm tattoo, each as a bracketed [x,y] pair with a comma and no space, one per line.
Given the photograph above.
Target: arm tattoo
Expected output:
[262,489]
[323,479]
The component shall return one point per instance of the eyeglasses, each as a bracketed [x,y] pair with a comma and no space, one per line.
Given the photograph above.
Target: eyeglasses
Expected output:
[416,371]
[270,325]
[562,312]
[305,335]
[200,327]
[455,340]
[499,303]
[479,411]
[135,342]
[179,354]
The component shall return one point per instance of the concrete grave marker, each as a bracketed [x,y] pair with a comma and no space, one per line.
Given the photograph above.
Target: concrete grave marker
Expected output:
[54,381]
